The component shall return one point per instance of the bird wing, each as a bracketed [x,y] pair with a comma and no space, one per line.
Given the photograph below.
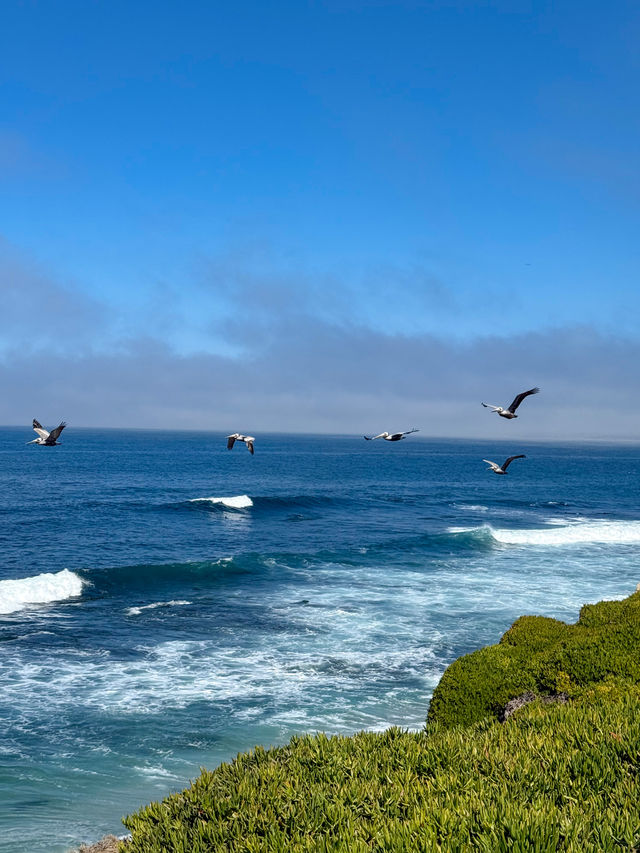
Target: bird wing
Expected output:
[231,440]
[373,437]
[520,397]
[53,435]
[42,432]
[508,461]
[489,462]
[409,431]
[489,406]
[250,446]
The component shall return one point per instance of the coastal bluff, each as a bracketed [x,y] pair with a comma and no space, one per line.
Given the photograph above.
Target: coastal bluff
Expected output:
[562,772]
[543,656]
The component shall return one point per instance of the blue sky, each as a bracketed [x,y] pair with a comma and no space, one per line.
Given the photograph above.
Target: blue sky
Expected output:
[238,192]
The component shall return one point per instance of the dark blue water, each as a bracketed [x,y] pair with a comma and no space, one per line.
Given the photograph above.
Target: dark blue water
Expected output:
[144,633]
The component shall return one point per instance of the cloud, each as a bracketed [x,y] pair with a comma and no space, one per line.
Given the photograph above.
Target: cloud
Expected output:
[252,294]
[42,314]
[321,378]
[307,357]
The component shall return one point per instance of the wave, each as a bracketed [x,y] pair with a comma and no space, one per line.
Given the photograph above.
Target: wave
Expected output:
[40,589]
[121,580]
[136,611]
[172,578]
[237,502]
[597,532]
[472,507]
[268,503]
[293,501]
[569,532]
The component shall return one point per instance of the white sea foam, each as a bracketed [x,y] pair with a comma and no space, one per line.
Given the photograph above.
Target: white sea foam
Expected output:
[41,589]
[156,772]
[600,532]
[472,507]
[173,674]
[237,502]
[136,611]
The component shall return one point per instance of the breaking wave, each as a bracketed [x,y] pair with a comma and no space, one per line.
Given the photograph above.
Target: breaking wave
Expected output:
[576,532]
[237,502]
[601,532]
[40,589]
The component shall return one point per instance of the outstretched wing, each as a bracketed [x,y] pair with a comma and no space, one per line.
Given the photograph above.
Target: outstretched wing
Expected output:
[373,437]
[42,432]
[250,446]
[520,398]
[489,462]
[508,461]
[53,435]
[489,406]
[231,440]
[409,431]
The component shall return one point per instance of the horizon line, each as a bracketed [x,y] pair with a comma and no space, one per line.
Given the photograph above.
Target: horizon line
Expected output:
[302,433]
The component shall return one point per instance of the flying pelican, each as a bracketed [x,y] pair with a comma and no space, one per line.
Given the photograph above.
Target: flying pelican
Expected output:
[248,440]
[46,438]
[502,469]
[390,436]
[511,411]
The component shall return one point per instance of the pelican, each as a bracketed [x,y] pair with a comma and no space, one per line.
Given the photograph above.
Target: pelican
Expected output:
[390,436]
[511,411]
[46,438]
[502,469]
[248,440]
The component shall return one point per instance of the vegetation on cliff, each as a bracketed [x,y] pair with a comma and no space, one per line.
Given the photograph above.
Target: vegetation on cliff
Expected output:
[553,777]
[544,656]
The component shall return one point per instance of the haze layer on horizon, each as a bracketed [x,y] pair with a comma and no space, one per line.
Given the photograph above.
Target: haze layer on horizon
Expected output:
[336,217]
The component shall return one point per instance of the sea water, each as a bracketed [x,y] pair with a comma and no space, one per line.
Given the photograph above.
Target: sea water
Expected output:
[166,603]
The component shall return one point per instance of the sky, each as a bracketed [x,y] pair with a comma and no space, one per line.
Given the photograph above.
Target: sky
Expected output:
[338,217]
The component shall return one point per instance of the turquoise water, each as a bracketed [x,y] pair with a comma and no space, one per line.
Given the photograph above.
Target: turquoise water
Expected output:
[148,628]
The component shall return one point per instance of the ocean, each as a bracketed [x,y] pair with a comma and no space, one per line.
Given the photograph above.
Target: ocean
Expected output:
[166,603]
